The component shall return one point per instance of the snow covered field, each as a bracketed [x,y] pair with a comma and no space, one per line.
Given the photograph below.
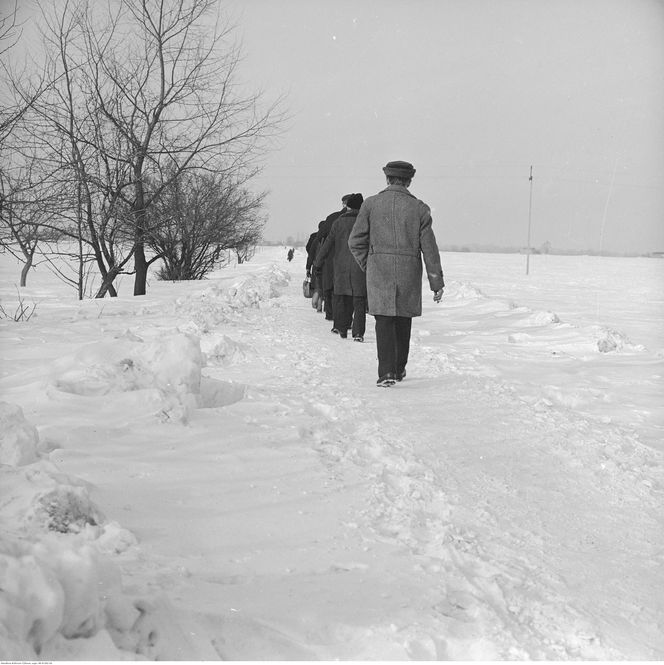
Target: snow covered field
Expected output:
[207,473]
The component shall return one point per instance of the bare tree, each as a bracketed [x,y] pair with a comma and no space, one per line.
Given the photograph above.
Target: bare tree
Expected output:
[12,107]
[10,30]
[9,34]
[20,218]
[57,128]
[245,250]
[200,216]
[175,101]
[35,224]
[12,110]
[138,93]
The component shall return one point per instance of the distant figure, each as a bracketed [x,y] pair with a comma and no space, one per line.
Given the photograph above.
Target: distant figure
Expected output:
[312,248]
[290,254]
[350,282]
[392,232]
[326,272]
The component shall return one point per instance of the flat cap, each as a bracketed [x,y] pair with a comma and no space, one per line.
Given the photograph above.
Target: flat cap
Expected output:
[399,169]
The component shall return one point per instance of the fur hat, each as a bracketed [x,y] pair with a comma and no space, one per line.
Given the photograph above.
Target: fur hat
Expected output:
[345,198]
[399,169]
[354,201]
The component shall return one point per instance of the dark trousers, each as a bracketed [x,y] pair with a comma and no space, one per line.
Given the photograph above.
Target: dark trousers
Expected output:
[393,343]
[328,306]
[350,311]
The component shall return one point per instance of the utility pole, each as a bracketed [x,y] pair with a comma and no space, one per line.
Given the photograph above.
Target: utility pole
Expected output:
[530,213]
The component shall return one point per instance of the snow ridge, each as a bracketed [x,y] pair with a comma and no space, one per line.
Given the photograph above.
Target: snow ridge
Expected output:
[62,593]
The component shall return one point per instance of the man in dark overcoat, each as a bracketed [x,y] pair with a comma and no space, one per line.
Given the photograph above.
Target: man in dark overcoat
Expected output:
[312,249]
[391,235]
[350,283]
[326,271]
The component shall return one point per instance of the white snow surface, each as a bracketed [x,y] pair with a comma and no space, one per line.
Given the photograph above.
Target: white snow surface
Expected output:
[207,473]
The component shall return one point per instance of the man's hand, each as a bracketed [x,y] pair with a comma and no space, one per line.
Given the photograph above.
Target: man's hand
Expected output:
[437,295]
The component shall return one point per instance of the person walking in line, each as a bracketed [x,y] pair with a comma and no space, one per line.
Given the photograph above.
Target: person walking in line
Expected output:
[312,249]
[390,236]
[350,283]
[326,271]
[290,254]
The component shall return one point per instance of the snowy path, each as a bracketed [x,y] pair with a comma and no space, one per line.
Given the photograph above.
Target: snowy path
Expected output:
[299,512]
[506,518]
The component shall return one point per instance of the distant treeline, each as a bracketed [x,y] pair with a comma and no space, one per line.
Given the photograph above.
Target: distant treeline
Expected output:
[493,249]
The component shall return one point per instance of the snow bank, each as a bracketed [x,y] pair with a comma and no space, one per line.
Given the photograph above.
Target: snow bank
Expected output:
[220,349]
[221,303]
[613,340]
[62,598]
[559,336]
[126,364]
[542,318]
[572,340]
[463,291]
[19,441]
[55,580]
[61,591]
[165,373]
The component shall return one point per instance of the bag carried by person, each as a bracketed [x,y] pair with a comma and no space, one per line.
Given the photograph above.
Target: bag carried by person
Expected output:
[306,288]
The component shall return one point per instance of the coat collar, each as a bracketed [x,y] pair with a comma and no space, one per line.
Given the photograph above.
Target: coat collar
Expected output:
[397,188]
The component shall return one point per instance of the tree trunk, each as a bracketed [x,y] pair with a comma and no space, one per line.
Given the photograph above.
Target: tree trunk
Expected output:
[140,262]
[107,287]
[24,271]
[141,268]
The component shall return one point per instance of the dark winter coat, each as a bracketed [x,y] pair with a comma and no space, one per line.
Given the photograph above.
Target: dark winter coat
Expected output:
[349,278]
[392,233]
[324,228]
[311,248]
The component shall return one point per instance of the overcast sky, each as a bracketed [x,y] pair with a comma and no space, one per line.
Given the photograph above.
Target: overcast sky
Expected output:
[472,92]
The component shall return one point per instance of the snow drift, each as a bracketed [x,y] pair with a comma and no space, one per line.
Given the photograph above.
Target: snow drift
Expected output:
[62,594]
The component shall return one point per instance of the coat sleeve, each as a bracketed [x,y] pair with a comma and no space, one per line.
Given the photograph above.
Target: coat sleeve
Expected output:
[358,240]
[325,248]
[430,250]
